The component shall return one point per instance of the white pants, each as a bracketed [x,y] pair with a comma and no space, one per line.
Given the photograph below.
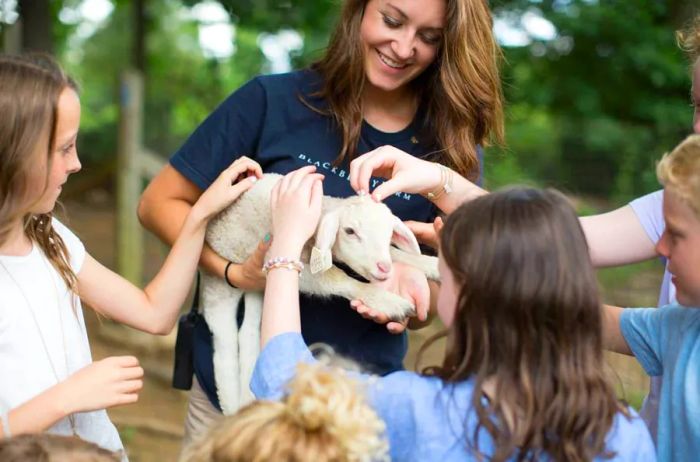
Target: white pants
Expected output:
[201,415]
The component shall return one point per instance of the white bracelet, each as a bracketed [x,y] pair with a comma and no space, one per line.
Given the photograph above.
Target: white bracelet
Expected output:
[5,419]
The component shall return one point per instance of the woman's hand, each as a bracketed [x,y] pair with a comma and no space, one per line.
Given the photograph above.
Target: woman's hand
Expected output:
[230,184]
[427,233]
[109,382]
[404,172]
[295,205]
[250,276]
[408,282]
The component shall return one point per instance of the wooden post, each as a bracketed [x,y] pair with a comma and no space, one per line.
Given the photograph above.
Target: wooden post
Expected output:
[129,233]
[12,37]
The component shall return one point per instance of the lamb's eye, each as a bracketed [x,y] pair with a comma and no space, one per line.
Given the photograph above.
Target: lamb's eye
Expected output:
[349,231]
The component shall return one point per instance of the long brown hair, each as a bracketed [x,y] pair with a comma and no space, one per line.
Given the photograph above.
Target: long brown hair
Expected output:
[460,92]
[528,322]
[30,87]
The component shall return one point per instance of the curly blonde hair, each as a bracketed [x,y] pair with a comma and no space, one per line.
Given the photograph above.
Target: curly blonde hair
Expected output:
[689,39]
[679,172]
[324,417]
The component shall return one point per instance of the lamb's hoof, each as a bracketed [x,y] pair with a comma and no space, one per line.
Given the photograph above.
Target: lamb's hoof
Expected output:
[396,308]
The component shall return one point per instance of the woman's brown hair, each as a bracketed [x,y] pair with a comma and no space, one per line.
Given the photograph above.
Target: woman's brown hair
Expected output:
[527,327]
[30,87]
[460,92]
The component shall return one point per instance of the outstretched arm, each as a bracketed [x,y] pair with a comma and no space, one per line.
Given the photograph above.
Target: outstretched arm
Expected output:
[295,204]
[617,238]
[613,340]
[155,309]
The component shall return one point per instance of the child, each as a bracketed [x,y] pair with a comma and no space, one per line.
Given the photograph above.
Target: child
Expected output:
[666,341]
[522,377]
[49,381]
[323,418]
[53,448]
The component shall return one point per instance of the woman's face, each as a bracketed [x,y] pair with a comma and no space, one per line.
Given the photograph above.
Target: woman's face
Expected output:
[64,158]
[400,39]
[696,96]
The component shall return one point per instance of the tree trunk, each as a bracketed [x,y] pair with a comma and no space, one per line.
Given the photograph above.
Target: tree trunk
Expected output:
[139,44]
[37,32]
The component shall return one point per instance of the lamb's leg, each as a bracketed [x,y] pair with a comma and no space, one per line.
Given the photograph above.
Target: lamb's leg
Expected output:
[249,343]
[220,305]
[425,263]
[336,282]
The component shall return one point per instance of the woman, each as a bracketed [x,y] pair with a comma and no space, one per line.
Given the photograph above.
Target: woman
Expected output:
[421,76]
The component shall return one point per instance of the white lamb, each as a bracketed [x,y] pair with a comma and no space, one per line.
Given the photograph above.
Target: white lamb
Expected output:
[355,231]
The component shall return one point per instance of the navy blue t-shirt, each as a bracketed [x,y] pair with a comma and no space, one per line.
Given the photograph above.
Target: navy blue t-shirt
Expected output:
[266,121]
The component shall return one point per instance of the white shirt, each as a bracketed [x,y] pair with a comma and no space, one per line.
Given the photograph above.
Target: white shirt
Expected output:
[25,368]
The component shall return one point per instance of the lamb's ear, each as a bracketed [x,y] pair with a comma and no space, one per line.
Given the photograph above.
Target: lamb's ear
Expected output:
[326,233]
[403,238]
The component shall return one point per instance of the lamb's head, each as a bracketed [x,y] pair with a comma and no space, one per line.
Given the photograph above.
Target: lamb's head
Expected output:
[359,233]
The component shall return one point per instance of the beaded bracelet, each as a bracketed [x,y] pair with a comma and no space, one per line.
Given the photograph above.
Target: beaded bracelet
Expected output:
[283,262]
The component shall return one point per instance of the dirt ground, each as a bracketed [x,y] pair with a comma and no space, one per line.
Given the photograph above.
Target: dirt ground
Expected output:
[152,428]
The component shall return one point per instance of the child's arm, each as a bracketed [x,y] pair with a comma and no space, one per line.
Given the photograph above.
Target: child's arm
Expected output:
[296,208]
[110,382]
[617,238]
[155,309]
[163,209]
[613,339]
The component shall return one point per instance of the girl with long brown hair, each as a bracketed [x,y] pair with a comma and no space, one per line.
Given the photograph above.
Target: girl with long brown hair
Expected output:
[421,76]
[49,381]
[523,373]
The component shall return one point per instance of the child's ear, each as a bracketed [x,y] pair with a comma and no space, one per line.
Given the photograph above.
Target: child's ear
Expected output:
[403,238]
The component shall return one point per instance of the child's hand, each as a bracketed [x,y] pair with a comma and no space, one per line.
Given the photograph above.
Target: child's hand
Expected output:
[231,183]
[295,205]
[109,382]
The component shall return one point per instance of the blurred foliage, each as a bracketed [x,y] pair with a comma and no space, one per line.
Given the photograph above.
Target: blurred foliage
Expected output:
[589,111]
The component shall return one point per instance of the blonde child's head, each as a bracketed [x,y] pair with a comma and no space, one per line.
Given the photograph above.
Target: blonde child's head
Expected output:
[34,92]
[324,417]
[679,172]
[44,447]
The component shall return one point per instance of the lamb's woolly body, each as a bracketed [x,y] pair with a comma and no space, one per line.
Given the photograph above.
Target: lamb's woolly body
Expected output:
[236,233]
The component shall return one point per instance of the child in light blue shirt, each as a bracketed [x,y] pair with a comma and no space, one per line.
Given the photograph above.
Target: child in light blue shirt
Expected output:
[666,341]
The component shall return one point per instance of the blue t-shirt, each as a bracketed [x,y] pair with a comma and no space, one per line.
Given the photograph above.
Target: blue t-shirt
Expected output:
[666,341]
[266,120]
[426,419]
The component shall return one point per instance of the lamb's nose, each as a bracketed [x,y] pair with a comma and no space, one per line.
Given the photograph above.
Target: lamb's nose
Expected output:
[384,267]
